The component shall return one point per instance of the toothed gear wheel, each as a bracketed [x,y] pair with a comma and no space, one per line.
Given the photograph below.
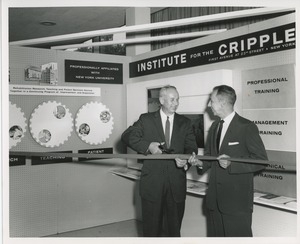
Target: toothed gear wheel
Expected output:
[51,124]
[94,123]
[17,125]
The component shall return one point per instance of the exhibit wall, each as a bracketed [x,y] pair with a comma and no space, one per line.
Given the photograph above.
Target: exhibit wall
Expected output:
[51,106]
[263,51]
[269,99]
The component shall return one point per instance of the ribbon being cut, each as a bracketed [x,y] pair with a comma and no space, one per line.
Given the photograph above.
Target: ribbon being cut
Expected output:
[144,157]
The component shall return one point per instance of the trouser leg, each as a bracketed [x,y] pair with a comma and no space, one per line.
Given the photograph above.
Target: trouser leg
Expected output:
[215,224]
[225,225]
[174,212]
[238,225]
[152,218]
[162,217]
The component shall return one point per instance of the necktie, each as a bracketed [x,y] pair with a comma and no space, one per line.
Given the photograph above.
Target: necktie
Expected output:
[219,134]
[167,132]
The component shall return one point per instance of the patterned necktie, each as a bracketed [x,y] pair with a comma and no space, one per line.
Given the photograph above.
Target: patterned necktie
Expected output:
[167,132]
[219,134]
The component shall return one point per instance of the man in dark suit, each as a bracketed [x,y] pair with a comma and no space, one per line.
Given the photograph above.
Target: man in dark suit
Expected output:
[229,197]
[162,183]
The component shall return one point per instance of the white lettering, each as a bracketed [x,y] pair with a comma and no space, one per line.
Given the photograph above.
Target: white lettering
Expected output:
[290,35]
[250,42]
[163,62]
[223,46]
[264,39]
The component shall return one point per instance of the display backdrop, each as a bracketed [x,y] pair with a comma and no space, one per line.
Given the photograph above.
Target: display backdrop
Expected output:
[52,188]
[56,116]
[269,100]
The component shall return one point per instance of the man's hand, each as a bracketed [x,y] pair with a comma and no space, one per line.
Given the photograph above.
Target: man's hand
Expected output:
[154,147]
[194,161]
[223,162]
[180,162]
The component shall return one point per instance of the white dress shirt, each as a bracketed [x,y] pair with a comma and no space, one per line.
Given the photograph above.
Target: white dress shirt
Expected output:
[226,124]
[164,119]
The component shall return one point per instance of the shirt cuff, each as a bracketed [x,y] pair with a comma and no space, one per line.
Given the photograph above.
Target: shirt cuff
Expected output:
[199,167]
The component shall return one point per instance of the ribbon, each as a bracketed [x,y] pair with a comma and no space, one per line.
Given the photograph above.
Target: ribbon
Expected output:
[148,156]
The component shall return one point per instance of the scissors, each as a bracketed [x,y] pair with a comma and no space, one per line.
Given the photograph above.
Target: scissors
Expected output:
[164,149]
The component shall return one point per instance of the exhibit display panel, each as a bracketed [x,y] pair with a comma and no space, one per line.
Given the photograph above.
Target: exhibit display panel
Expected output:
[36,96]
[269,99]
[47,114]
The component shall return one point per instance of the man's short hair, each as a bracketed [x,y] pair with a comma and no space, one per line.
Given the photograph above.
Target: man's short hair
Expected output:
[226,92]
[164,89]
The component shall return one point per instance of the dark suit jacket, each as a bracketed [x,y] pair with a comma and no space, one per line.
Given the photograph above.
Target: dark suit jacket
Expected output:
[149,129]
[232,188]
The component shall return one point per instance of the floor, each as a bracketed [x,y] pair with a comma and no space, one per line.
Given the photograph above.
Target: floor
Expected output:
[129,228]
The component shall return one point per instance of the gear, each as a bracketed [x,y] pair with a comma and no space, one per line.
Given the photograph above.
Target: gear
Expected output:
[94,123]
[17,125]
[51,124]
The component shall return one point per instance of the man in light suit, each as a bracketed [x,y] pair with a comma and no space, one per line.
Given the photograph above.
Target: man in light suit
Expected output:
[162,183]
[229,197]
